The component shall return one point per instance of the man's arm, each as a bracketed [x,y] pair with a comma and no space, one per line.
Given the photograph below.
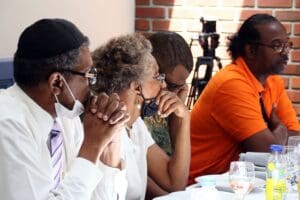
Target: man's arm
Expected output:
[277,133]
[282,124]
[105,116]
[103,123]
[25,170]
[237,109]
[25,175]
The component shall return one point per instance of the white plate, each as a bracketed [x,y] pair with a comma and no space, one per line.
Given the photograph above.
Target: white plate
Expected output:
[222,182]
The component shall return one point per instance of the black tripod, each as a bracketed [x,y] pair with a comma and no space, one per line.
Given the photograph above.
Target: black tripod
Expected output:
[209,41]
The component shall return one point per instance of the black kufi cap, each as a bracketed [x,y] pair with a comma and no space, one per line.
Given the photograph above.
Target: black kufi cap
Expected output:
[47,38]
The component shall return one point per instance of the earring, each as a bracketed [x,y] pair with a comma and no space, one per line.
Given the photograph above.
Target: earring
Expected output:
[137,103]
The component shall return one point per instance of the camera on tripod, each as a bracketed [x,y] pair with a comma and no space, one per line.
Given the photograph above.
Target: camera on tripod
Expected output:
[209,41]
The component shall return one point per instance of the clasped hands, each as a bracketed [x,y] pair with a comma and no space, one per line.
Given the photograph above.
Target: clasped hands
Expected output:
[104,116]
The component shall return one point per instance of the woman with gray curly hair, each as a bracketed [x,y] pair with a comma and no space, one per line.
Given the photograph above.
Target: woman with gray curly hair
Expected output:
[126,67]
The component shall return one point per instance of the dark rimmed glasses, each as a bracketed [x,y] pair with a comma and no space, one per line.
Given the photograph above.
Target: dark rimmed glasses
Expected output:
[278,47]
[90,75]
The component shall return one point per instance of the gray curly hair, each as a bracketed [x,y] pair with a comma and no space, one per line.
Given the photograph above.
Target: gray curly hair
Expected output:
[122,60]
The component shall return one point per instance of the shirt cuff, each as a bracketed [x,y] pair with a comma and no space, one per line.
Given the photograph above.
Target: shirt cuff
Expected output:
[86,173]
[107,170]
[116,177]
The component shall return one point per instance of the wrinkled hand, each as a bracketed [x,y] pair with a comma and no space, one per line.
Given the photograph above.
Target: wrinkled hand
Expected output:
[104,117]
[168,102]
[278,129]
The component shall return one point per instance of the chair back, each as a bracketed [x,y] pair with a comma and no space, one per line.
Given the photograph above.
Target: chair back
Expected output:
[6,72]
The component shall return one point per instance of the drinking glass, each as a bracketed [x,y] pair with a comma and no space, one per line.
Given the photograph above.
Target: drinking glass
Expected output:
[294,141]
[291,158]
[241,178]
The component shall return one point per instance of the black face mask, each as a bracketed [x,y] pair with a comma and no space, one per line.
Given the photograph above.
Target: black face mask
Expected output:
[149,108]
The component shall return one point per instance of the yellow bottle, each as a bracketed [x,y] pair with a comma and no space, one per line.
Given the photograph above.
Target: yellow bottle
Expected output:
[276,171]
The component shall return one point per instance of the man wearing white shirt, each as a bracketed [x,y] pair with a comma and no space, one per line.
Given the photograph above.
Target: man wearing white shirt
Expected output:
[53,71]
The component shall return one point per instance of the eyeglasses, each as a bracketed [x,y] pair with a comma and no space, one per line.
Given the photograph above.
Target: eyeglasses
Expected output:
[160,77]
[172,86]
[278,47]
[90,75]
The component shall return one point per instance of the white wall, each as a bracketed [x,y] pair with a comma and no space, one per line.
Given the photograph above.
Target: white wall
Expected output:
[98,19]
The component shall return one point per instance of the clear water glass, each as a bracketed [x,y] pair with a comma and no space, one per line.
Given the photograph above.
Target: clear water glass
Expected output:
[291,158]
[241,178]
[294,141]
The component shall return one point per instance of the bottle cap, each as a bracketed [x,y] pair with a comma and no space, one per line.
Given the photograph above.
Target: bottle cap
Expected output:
[276,148]
[207,181]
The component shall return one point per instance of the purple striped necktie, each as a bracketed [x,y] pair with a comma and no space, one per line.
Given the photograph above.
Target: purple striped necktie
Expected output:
[56,144]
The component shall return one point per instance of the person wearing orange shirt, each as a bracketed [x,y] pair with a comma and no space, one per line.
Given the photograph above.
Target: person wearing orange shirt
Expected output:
[244,107]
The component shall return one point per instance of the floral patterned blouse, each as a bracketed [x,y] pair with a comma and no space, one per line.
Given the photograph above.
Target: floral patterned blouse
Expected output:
[160,132]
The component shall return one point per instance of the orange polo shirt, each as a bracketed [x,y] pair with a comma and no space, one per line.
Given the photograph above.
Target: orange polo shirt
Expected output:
[228,112]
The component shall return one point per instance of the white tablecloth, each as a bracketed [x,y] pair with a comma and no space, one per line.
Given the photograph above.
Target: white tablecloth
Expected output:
[225,193]
[257,194]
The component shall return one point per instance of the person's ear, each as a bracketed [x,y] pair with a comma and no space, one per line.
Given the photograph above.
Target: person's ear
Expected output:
[55,83]
[250,51]
[136,87]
